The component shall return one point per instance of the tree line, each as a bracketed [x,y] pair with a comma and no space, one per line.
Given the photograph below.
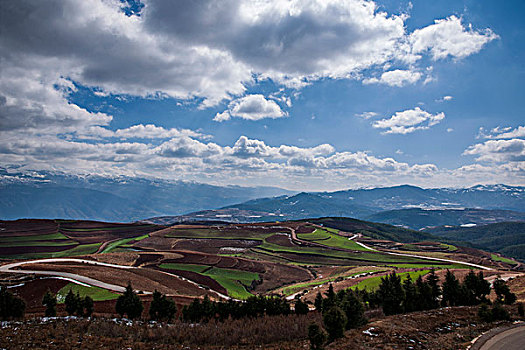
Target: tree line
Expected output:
[345,309]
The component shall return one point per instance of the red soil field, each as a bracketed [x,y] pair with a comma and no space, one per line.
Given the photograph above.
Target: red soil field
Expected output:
[27,227]
[282,240]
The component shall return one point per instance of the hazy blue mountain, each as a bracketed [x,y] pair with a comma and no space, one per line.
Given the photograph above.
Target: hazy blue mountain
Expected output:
[417,218]
[369,204]
[51,195]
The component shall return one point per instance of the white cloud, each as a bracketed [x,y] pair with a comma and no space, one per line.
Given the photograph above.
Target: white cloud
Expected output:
[251,107]
[367,115]
[448,37]
[512,150]
[396,77]
[503,133]
[408,121]
[445,98]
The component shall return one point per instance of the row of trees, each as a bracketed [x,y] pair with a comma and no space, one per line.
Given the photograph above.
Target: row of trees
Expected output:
[395,296]
[254,306]
[76,305]
[341,311]
[345,309]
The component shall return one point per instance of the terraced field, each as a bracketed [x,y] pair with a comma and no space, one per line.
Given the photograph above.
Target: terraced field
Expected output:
[223,261]
[35,239]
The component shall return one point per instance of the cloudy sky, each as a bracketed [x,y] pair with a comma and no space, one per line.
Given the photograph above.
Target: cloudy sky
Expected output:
[305,95]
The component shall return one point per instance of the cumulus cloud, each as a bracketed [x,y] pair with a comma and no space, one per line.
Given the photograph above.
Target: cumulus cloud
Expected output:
[503,133]
[251,107]
[512,150]
[408,121]
[396,77]
[448,37]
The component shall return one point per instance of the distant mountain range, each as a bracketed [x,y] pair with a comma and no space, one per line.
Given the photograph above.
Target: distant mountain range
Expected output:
[57,195]
[123,199]
[407,206]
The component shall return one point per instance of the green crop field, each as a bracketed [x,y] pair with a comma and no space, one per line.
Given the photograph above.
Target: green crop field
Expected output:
[502,259]
[373,283]
[289,290]
[15,239]
[330,238]
[184,267]
[96,293]
[121,242]
[231,280]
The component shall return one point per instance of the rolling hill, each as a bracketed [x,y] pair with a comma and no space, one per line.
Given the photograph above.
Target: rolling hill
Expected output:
[507,238]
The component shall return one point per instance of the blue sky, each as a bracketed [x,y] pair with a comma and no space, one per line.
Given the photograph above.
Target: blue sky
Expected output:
[305,95]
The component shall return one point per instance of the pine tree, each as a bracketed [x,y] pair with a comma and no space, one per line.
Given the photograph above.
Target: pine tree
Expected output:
[433,282]
[50,302]
[391,294]
[11,306]
[354,310]
[451,290]
[71,303]
[410,300]
[162,308]
[503,293]
[318,303]
[334,320]
[301,308]
[317,337]
[129,303]
[88,305]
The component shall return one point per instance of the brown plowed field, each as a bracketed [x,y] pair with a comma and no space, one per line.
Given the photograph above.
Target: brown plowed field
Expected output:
[34,249]
[27,227]
[219,261]
[141,278]
[198,278]
[206,245]
[33,292]
[282,240]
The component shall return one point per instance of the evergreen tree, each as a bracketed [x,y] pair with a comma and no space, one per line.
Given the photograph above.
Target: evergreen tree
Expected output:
[330,299]
[451,290]
[72,302]
[88,305]
[334,320]
[503,293]
[433,282]
[50,302]
[520,310]
[162,308]
[317,337]
[11,306]
[318,303]
[424,299]
[129,303]
[410,300]
[391,294]
[499,313]
[301,308]
[354,310]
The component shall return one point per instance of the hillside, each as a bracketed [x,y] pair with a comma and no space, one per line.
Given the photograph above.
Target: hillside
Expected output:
[507,238]
[375,230]
[51,195]
[417,218]
[407,206]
